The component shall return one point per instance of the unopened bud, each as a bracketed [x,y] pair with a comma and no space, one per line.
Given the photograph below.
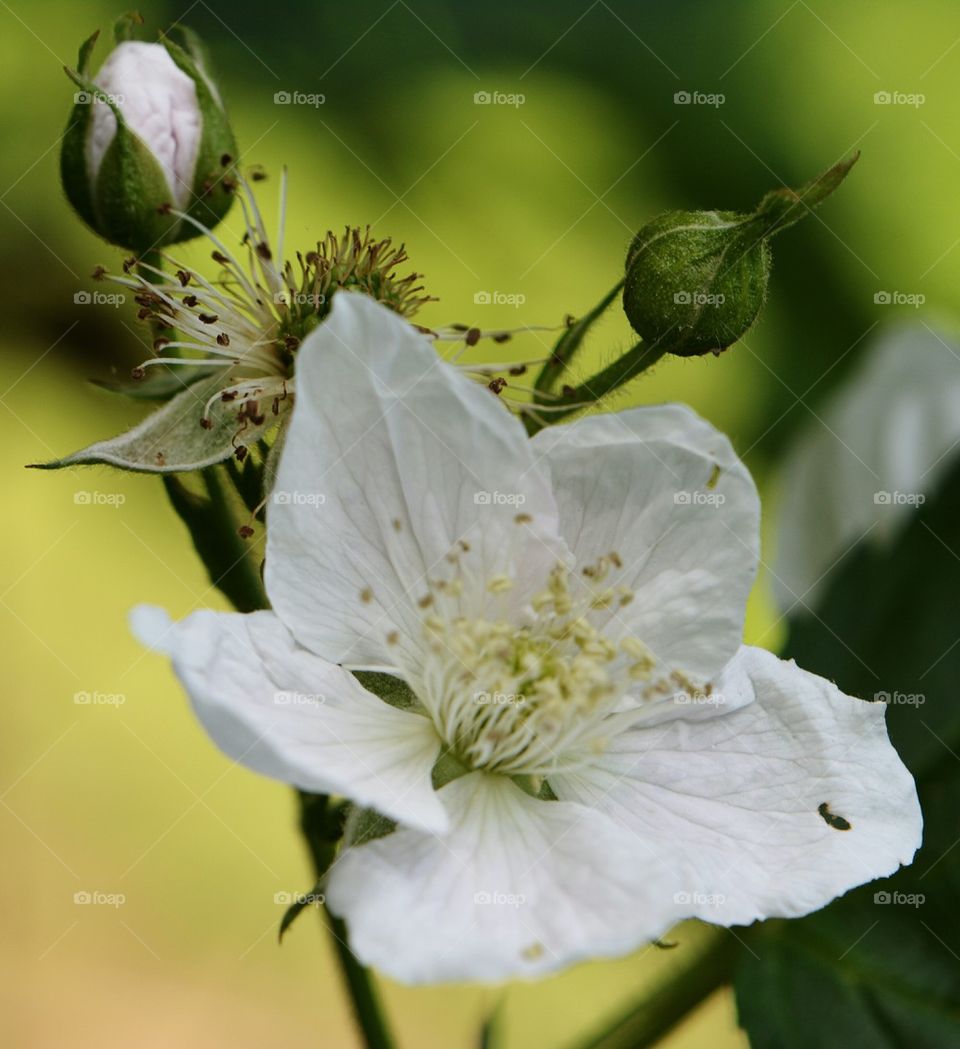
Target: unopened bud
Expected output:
[696,280]
[148,141]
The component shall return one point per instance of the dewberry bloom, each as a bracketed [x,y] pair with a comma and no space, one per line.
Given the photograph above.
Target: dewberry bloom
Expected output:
[585,753]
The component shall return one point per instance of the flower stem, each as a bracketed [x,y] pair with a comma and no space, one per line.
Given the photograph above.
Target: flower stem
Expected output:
[568,344]
[213,525]
[667,1004]
[320,833]
[637,359]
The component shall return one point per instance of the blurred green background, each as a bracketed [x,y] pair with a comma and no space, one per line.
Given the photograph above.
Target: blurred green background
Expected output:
[537,200]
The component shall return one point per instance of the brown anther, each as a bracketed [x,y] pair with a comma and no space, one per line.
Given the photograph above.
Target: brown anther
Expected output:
[128,264]
[190,300]
[522,519]
[159,344]
[206,423]
[291,342]
[264,252]
[208,318]
[245,531]
[219,257]
[518,369]
[223,339]
[98,272]
[257,176]
[165,208]
[496,385]
[228,395]
[426,601]
[138,373]
[366,595]
[472,337]
[183,277]
[568,391]
[502,336]
[225,160]
[240,452]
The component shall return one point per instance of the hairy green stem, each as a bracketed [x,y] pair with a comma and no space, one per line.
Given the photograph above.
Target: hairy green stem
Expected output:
[670,1002]
[568,344]
[626,367]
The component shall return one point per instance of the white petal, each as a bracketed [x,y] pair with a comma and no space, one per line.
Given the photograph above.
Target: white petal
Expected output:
[388,460]
[861,467]
[734,804]
[159,104]
[284,712]
[519,887]
[663,489]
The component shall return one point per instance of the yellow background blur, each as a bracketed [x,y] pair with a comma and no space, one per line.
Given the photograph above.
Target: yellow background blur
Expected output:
[538,200]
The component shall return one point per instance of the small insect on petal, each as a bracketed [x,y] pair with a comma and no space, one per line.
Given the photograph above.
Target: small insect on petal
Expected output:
[831,820]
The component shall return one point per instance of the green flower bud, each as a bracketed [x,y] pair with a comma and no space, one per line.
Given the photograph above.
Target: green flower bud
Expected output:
[696,280]
[148,143]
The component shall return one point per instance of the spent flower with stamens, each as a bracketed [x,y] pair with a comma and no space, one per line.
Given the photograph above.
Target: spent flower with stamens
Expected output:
[581,728]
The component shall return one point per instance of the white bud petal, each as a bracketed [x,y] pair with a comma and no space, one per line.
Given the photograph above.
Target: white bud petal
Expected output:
[159,103]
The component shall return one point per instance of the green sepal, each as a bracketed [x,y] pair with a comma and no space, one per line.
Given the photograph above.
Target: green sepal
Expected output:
[446,769]
[390,689]
[366,825]
[782,208]
[125,27]
[73,160]
[85,52]
[214,181]
[309,899]
[172,440]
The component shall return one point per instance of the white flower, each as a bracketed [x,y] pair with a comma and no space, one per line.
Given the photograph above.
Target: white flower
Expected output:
[567,612]
[872,455]
[159,103]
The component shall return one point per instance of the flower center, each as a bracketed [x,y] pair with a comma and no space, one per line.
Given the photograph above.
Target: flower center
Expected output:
[517,699]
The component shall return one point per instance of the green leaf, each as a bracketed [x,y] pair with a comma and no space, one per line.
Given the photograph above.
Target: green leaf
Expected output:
[880,968]
[172,439]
